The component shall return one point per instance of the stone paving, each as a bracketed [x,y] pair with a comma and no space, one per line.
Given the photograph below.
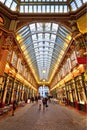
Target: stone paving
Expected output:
[56,117]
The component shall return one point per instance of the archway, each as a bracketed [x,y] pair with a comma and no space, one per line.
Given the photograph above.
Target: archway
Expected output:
[43,91]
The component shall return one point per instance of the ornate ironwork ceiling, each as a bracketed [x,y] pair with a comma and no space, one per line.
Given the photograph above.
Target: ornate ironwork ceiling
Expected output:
[43,45]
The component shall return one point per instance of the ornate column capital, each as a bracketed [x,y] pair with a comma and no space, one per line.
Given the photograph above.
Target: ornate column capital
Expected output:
[75,29]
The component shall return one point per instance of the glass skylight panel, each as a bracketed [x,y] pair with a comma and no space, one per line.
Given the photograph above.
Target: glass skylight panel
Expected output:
[40,36]
[84,1]
[39,27]
[47,35]
[65,8]
[51,44]
[47,8]
[34,37]
[30,9]
[73,5]
[53,37]
[26,8]
[40,43]
[47,26]
[2,1]
[8,3]
[32,27]
[30,0]
[36,49]
[35,8]
[43,8]
[56,8]
[65,30]
[57,46]
[52,9]
[59,40]
[47,43]
[54,27]
[39,8]
[79,3]
[13,6]
[26,34]
[61,8]
[24,31]
[61,32]
[21,8]
[28,40]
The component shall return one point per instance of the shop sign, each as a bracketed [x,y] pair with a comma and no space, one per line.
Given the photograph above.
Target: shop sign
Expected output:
[82,60]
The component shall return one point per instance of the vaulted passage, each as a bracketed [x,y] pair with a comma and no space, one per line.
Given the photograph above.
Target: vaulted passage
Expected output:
[43,45]
[43,54]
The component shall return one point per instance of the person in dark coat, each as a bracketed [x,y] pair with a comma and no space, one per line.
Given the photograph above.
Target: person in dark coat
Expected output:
[44,103]
[14,107]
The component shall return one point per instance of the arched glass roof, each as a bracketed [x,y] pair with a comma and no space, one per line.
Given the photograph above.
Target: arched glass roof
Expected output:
[43,45]
[43,6]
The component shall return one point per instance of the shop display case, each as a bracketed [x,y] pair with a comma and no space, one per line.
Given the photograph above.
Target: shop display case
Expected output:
[9,90]
[80,92]
[71,93]
[3,80]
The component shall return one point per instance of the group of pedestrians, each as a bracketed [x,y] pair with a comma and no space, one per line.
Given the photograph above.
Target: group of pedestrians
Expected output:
[42,102]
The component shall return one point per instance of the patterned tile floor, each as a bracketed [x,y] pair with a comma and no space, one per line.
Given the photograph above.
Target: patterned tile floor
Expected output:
[55,117]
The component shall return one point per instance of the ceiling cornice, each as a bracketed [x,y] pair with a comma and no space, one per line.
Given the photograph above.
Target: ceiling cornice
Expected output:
[42,16]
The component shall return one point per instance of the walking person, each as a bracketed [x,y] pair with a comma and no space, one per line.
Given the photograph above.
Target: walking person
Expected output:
[44,103]
[14,107]
[39,102]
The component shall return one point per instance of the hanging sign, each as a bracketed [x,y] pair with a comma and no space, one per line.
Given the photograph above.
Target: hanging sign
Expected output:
[82,60]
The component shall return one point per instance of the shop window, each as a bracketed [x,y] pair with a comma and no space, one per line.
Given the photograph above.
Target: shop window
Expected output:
[80,90]
[9,91]
[85,82]
[9,56]
[14,60]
